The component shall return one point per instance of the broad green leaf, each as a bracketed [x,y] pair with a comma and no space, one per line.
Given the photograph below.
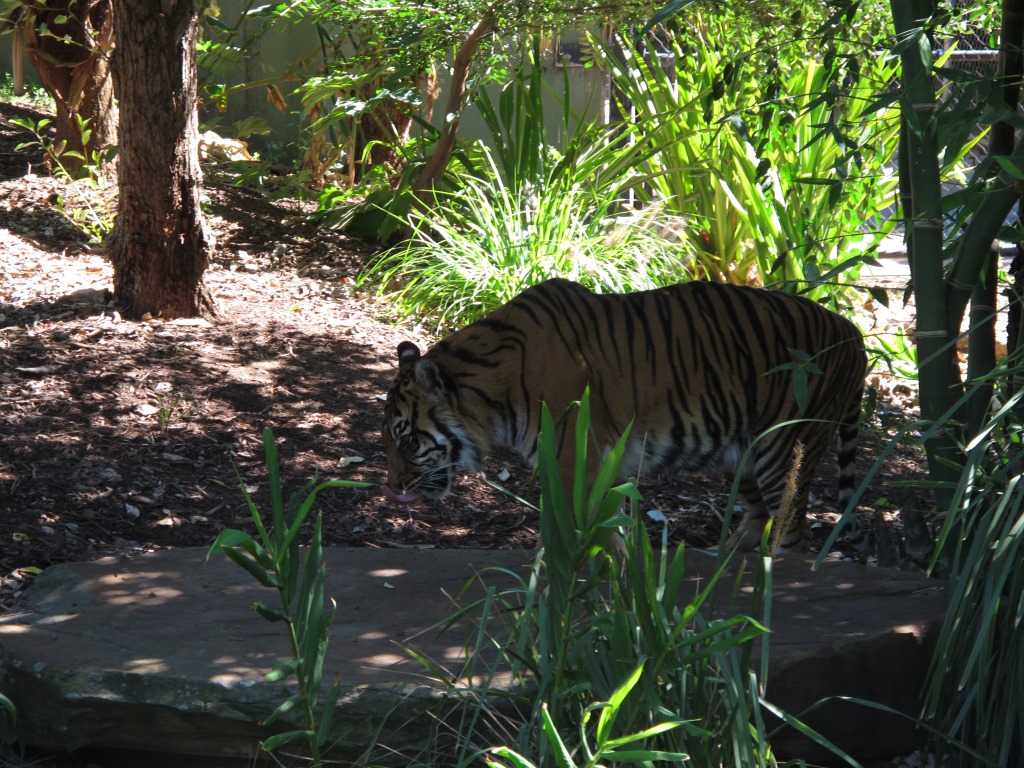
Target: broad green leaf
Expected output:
[264,576]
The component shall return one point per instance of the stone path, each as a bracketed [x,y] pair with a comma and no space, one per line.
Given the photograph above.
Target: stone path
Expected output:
[162,652]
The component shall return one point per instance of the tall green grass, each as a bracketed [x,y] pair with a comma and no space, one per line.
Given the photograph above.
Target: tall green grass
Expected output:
[977,675]
[781,175]
[607,654]
[528,210]
[486,243]
[274,558]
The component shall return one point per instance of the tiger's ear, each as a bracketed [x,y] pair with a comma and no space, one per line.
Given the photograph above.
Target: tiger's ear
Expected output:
[432,379]
[408,353]
[428,375]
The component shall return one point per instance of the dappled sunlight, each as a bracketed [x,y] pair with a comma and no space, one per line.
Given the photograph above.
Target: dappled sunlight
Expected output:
[128,436]
[147,666]
[138,425]
[176,614]
[148,582]
[389,573]
[381,660]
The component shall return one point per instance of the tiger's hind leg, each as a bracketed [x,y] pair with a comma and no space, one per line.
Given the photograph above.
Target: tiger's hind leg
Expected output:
[777,488]
[755,516]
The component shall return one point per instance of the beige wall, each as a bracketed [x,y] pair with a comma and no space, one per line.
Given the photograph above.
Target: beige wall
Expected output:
[294,46]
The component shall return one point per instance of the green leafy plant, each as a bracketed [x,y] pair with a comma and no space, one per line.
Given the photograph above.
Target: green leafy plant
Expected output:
[605,746]
[91,215]
[780,185]
[31,95]
[896,351]
[528,211]
[275,560]
[698,675]
[168,406]
[57,152]
[617,661]
[379,206]
[488,242]
[91,210]
[978,665]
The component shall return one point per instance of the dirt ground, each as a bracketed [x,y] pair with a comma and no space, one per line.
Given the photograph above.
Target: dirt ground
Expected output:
[119,437]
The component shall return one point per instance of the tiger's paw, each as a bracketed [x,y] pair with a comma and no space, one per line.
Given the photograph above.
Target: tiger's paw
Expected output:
[748,539]
[744,539]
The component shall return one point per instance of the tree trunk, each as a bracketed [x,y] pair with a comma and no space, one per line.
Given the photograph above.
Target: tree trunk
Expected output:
[438,162]
[69,44]
[160,245]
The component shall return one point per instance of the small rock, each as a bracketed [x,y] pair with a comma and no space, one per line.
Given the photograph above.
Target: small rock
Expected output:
[108,475]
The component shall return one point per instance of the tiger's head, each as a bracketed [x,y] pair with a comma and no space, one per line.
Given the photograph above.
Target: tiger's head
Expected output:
[424,437]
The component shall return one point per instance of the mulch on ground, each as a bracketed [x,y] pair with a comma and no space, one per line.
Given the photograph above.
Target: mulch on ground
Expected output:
[119,437]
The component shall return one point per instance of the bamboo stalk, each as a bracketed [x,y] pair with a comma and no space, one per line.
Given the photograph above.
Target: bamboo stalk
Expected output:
[975,248]
[981,346]
[938,376]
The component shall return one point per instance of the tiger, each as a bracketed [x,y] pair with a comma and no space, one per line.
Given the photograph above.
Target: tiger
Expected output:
[703,371]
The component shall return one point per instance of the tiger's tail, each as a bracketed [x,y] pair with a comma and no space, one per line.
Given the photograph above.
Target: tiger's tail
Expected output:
[847,433]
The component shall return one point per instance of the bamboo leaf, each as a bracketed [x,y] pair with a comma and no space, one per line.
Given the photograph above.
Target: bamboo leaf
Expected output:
[1009,167]
[229,538]
[279,740]
[609,711]
[563,758]
[327,718]
[282,669]
[645,756]
[517,760]
[270,614]
[284,708]
[265,576]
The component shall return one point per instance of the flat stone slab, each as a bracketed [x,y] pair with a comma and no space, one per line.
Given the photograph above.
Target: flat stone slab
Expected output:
[163,652]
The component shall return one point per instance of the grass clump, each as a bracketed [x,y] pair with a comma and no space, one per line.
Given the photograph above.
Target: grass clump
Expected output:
[522,211]
[273,557]
[607,653]
[973,700]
